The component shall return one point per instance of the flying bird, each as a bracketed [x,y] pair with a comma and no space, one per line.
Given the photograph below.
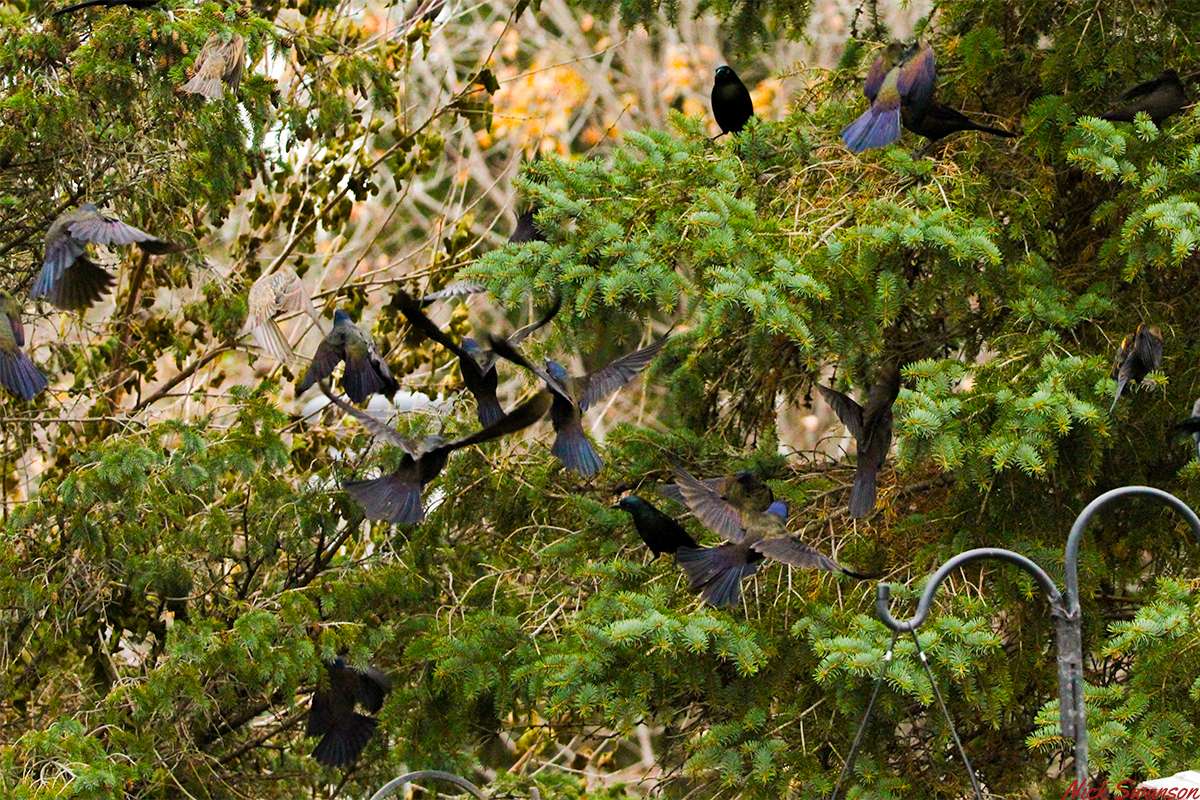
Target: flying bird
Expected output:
[1191,426]
[939,121]
[871,428]
[138,4]
[219,65]
[744,490]
[573,395]
[18,373]
[900,78]
[1158,97]
[716,573]
[344,732]
[279,292]
[365,372]
[453,290]
[396,497]
[476,364]
[69,279]
[1139,355]
[660,533]
[731,103]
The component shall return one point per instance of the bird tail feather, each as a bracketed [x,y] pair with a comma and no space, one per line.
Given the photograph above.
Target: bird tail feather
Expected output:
[1117,395]
[994,131]
[573,449]
[876,127]
[80,287]
[361,379]
[342,746]
[388,498]
[862,493]
[269,337]
[716,572]
[20,376]
[488,410]
[209,87]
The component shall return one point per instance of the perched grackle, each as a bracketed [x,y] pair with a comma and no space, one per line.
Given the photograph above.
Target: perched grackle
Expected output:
[18,373]
[69,279]
[365,372]
[279,292]
[899,78]
[396,497]
[344,732]
[476,365]
[939,121]
[219,64]
[871,428]
[660,533]
[1139,355]
[731,103]
[717,572]
[1158,97]
[573,395]
[1191,426]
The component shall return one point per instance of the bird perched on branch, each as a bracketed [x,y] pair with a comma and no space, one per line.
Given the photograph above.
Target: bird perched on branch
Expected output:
[365,372]
[344,732]
[573,395]
[938,121]
[18,373]
[219,64]
[279,292]
[477,365]
[1138,356]
[1159,97]
[396,497]
[752,536]
[1191,426]
[69,279]
[871,428]
[901,77]
[138,4]
[660,533]
[731,103]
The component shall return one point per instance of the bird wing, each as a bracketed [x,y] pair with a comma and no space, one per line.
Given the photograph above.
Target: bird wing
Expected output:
[1145,87]
[373,686]
[1149,349]
[102,229]
[716,514]
[603,382]
[917,77]
[792,551]
[882,396]
[324,361]
[524,332]
[518,419]
[847,410]
[16,328]
[411,309]
[376,427]
[456,289]
[875,78]
[321,713]
[60,254]
[502,348]
[235,61]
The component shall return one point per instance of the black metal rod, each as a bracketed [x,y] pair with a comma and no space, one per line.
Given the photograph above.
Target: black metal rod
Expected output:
[883,596]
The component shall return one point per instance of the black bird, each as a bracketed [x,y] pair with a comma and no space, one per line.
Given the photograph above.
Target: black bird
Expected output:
[18,373]
[138,4]
[1139,355]
[660,533]
[938,121]
[396,497]
[900,77]
[1158,97]
[365,372]
[744,490]
[731,103]
[478,367]
[527,229]
[1191,426]
[344,732]
[871,428]
[573,395]
[717,572]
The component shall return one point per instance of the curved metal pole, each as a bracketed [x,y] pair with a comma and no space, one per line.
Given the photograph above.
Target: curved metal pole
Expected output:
[1071,629]
[395,784]
[1071,560]
[883,596]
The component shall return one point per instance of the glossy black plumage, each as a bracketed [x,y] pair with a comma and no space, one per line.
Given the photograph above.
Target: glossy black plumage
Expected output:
[661,533]
[573,395]
[364,373]
[527,229]
[332,716]
[396,497]
[1159,97]
[1138,356]
[732,105]
[477,367]
[938,121]
[871,428]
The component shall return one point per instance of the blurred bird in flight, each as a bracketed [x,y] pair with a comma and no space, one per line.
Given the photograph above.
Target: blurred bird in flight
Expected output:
[1138,356]
[901,77]
[219,65]
[332,716]
[871,428]
[18,373]
[365,372]
[280,292]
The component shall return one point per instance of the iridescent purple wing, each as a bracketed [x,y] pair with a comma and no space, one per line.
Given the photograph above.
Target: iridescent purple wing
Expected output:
[917,77]
[875,78]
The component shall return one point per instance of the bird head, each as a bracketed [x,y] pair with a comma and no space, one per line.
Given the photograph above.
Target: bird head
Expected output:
[469,344]
[337,662]
[340,317]
[1154,331]
[556,370]
[746,478]
[629,502]
[895,52]
[725,74]
[778,509]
